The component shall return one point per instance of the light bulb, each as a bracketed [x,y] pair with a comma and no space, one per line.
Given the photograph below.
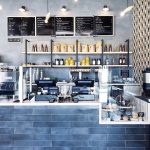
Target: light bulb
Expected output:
[1,7]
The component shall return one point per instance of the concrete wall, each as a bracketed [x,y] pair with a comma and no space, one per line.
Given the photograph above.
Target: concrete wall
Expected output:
[66,128]
[11,52]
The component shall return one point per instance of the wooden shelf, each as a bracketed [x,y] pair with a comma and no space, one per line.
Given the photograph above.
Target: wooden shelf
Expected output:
[37,53]
[85,66]
[36,66]
[86,53]
[118,65]
[111,53]
[64,53]
[64,66]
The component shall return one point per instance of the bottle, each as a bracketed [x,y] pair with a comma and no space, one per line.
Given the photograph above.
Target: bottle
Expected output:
[110,48]
[107,61]
[57,61]
[46,48]
[123,60]
[123,48]
[93,62]
[120,48]
[41,74]
[120,60]
[61,62]
[105,48]
[98,61]
[36,49]
[33,48]
[113,61]
[42,48]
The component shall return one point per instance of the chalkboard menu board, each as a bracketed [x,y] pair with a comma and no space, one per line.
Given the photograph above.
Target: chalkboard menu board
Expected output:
[84,26]
[21,26]
[103,25]
[43,28]
[64,26]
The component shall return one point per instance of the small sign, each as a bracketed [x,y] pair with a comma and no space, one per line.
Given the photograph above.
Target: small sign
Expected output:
[14,39]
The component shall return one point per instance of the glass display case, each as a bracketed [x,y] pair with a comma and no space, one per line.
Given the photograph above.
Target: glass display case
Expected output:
[118,102]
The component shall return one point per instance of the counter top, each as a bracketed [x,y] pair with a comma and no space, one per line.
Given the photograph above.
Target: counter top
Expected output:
[143,98]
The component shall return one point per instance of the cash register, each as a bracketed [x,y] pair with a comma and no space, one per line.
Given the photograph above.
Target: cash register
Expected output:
[46,90]
[83,91]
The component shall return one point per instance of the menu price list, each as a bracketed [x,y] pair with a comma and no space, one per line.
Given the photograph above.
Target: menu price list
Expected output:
[64,26]
[21,26]
[84,26]
[45,28]
[103,25]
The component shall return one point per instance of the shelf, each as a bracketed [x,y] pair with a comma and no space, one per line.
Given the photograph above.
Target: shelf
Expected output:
[37,53]
[86,53]
[85,66]
[36,66]
[118,65]
[117,53]
[64,66]
[64,53]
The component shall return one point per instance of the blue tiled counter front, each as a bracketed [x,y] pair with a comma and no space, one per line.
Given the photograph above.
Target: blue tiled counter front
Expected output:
[66,128]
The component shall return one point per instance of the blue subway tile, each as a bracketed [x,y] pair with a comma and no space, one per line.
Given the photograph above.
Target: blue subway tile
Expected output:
[137,130]
[94,118]
[32,118]
[6,148]
[43,130]
[6,117]
[6,130]
[6,137]
[106,130]
[137,144]
[6,110]
[69,118]
[23,111]
[51,124]
[69,131]
[65,110]
[6,143]
[8,124]
[22,148]
[33,143]
[23,137]
[107,143]
[69,143]
[125,137]
[84,124]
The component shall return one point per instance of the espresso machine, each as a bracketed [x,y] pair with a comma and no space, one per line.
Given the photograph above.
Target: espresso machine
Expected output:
[146,82]
[83,91]
[46,90]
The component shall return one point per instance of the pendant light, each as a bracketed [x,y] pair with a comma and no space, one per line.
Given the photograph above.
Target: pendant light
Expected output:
[64,8]
[22,9]
[48,14]
[126,10]
[105,8]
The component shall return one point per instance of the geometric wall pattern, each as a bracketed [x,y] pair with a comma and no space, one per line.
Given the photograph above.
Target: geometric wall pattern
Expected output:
[141,37]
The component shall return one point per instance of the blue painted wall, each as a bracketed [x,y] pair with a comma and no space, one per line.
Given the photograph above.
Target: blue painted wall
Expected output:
[66,128]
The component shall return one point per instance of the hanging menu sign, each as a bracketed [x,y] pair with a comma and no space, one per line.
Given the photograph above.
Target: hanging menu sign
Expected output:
[43,28]
[104,25]
[84,26]
[21,26]
[64,26]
